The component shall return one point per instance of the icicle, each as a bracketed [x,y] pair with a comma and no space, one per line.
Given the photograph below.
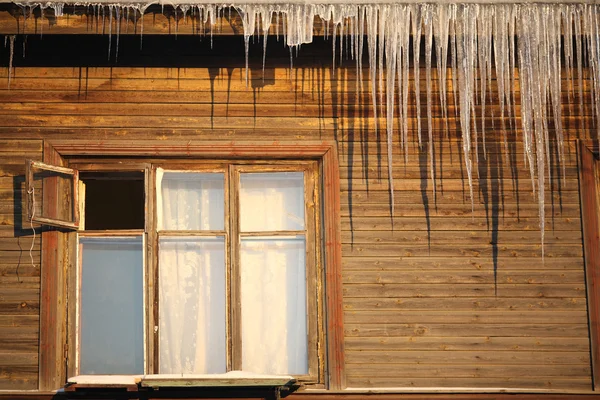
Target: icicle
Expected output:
[428,25]
[484,49]
[441,18]
[592,30]
[383,13]
[454,61]
[405,66]
[11,49]
[501,64]
[110,7]
[579,56]
[361,34]
[371,21]
[267,16]
[465,52]
[391,49]
[416,31]
[118,10]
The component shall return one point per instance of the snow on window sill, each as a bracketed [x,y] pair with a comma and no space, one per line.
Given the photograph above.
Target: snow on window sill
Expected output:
[233,378]
[105,380]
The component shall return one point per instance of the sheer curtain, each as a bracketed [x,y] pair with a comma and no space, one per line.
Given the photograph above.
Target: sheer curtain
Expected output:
[273,295]
[273,274]
[192,273]
[192,305]
[192,312]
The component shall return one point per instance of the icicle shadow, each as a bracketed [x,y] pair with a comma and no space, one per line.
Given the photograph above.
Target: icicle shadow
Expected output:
[213,74]
[425,178]
[259,78]
[350,130]
[490,178]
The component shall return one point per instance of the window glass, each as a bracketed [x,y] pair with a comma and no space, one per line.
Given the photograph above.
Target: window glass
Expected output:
[111,306]
[192,299]
[272,201]
[190,200]
[273,294]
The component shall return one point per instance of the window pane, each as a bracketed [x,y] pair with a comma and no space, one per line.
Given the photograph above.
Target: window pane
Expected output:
[192,305]
[111,309]
[52,183]
[273,291]
[191,201]
[272,201]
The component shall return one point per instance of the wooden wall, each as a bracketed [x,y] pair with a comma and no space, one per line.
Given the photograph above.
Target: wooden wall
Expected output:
[435,296]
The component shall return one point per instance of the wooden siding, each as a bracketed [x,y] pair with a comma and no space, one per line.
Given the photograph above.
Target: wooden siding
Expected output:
[434,296]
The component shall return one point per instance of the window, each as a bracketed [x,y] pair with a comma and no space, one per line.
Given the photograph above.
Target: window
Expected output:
[237,253]
[231,249]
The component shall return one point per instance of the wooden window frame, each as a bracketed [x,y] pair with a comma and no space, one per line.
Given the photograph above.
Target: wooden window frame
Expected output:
[52,189]
[589,181]
[56,261]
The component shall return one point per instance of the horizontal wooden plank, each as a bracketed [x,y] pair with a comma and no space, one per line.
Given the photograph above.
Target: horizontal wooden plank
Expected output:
[19,378]
[470,264]
[22,343]
[14,358]
[434,238]
[456,197]
[499,168]
[469,343]
[450,276]
[460,250]
[16,257]
[460,210]
[340,73]
[571,384]
[474,303]
[465,317]
[232,74]
[464,290]
[8,322]
[19,301]
[246,132]
[83,105]
[562,363]
[461,330]
[19,146]
[453,224]
[19,243]
[523,185]
[18,158]
[463,371]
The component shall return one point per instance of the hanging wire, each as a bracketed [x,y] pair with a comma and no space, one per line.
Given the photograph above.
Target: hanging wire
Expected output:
[31,192]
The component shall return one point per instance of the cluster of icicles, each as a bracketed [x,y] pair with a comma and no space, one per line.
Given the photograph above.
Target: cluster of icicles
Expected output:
[479,38]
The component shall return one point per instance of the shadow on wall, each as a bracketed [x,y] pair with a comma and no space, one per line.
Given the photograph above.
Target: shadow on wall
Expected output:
[343,103]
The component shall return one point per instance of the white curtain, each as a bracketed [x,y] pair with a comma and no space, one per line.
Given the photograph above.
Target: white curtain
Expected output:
[192,298]
[273,292]
[192,270]
[192,305]
[272,201]
[273,274]
[190,200]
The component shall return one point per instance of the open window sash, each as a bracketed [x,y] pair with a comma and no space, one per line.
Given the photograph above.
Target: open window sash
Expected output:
[61,186]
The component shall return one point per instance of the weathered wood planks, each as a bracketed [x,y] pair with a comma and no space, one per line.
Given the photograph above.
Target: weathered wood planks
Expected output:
[437,295]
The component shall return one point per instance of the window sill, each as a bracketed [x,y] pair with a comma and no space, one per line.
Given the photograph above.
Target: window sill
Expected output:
[229,379]
[233,378]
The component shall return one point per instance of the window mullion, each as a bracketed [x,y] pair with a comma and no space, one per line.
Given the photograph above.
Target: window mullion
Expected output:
[233,273]
[151,274]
